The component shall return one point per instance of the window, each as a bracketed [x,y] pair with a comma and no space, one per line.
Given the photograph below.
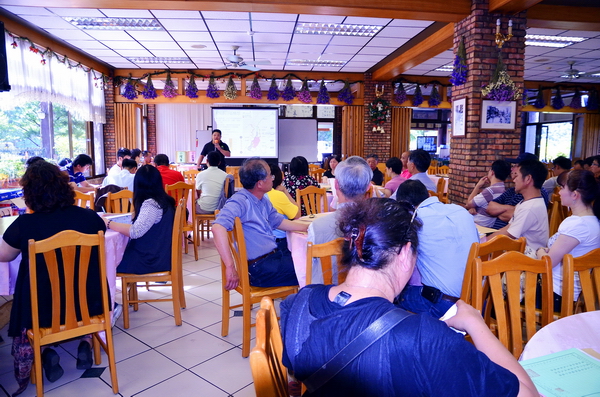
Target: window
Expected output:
[549,135]
[324,139]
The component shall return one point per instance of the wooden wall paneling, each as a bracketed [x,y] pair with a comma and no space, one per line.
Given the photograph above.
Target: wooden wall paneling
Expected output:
[401,118]
[591,133]
[126,125]
[353,131]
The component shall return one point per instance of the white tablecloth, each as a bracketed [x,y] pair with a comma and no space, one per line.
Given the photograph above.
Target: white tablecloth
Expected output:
[436,178]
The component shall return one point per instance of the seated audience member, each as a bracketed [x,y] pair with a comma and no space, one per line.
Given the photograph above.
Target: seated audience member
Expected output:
[122,153]
[282,202]
[136,155]
[373,160]
[393,169]
[503,207]
[62,164]
[530,219]
[405,172]
[76,169]
[421,356]
[32,160]
[578,165]
[297,178]
[168,175]
[561,164]
[579,233]
[352,182]
[146,158]
[418,164]
[209,184]
[125,177]
[587,163]
[333,162]
[595,166]
[444,243]
[47,193]
[270,264]
[480,197]
[149,246]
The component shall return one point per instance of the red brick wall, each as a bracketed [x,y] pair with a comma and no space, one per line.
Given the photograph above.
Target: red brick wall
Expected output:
[375,141]
[472,155]
[110,150]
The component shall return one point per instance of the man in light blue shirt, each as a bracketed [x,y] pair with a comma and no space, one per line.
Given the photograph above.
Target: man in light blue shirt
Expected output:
[444,243]
[418,164]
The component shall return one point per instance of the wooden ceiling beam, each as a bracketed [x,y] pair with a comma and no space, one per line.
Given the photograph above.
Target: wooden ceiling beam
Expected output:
[564,17]
[419,49]
[511,6]
[431,10]
[138,73]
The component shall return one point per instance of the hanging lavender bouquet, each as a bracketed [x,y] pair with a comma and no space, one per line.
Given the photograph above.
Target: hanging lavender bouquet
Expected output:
[129,91]
[557,101]
[501,87]
[323,97]
[592,103]
[273,93]
[149,90]
[539,100]
[418,98]
[434,98]
[400,94]
[212,91]
[345,94]
[459,71]
[191,90]
[576,101]
[169,91]
[255,91]
[304,94]
[288,92]
[230,89]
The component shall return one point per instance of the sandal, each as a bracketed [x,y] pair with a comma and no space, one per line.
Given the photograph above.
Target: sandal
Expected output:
[84,355]
[51,365]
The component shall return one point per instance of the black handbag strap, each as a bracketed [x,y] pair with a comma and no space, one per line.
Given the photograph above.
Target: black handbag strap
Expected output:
[370,335]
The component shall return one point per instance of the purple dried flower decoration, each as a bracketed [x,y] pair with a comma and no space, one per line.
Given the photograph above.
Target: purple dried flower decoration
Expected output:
[304,94]
[345,94]
[525,95]
[434,98]
[418,98]
[289,92]
[459,71]
[557,101]
[129,92]
[592,103]
[400,93]
[539,100]
[273,93]
[255,91]
[576,101]
[191,90]
[323,97]
[212,91]
[501,87]
[149,91]
[169,91]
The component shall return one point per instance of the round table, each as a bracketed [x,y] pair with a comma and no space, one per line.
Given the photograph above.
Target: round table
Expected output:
[577,331]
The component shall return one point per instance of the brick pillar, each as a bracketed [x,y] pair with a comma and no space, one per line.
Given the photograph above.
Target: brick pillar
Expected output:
[151,128]
[472,155]
[110,150]
[375,141]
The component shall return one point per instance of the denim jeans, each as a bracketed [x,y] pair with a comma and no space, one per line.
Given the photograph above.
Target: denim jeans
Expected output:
[275,270]
[410,299]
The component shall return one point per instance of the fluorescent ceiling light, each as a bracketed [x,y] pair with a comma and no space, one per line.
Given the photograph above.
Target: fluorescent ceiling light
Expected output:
[337,29]
[306,62]
[538,40]
[160,60]
[445,68]
[115,23]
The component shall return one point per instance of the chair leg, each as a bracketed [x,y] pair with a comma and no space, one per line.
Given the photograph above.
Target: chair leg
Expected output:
[225,313]
[110,352]
[134,296]
[246,318]
[175,289]
[125,297]
[96,348]
[182,302]
[185,241]
[37,367]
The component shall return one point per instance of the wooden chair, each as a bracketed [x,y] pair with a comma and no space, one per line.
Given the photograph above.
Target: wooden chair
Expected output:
[76,250]
[173,166]
[326,253]
[558,213]
[441,186]
[317,174]
[202,222]
[179,191]
[250,294]
[84,200]
[588,268]
[313,198]
[516,323]
[174,276]
[268,372]
[190,177]
[120,202]
[443,170]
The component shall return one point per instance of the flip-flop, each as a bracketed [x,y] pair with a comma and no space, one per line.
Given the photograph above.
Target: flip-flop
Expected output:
[51,365]
[84,355]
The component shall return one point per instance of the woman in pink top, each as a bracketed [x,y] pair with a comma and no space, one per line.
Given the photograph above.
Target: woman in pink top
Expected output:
[393,169]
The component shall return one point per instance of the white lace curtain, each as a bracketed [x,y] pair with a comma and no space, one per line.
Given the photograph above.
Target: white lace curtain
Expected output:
[30,80]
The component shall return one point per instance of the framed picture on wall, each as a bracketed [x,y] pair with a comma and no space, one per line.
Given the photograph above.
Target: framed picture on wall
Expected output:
[498,115]
[459,117]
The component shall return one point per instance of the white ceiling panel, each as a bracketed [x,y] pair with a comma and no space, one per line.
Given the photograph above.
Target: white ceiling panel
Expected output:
[108,35]
[126,45]
[180,65]
[399,32]
[88,45]
[272,38]
[368,58]
[77,12]
[231,37]
[69,34]
[578,33]
[273,27]
[367,21]
[52,22]
[128,53]
[350,40]
[17,10]
[142,35]
[340,49]
[304,55]
[175,14]
[270,47]
[114,13]
[225,15]
[159,45]
[410,23]
[311,39]
[192,36]
[262,16]
[193,25]
[387,42]
[531,51]
[591,44]
[229,25]
[169,53]
[307,48]
[102,54]
[320,18]
[375,51]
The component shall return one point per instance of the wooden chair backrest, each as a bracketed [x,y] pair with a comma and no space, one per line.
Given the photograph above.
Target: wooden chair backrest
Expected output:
[180,191]
[190,176]
[317,174]
[588,268]
[237,246]
[173,167]
[513,318]
[268,372]
[556,217]
[120,202]
[177,244]
[443,170]
[326,253]
[441,186]
[84,200]
[313,198]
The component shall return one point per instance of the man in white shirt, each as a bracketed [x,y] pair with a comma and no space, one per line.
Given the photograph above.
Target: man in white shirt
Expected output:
[210,183]
[122,153]
[530,219]
[125,177]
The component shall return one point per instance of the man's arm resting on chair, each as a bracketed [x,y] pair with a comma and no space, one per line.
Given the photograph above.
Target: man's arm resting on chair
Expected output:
[222,243]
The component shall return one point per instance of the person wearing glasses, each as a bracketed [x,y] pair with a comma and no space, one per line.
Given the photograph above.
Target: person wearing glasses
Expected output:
[269,263]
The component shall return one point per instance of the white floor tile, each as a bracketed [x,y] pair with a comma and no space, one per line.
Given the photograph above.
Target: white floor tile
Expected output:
[184,384]
[145,314]
[247,391]
[203,315]
[229,371]
[194,348]
[209,291]
[161,331]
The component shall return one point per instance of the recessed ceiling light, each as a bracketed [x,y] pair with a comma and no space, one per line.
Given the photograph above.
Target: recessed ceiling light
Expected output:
[198,46]
[337,29]
[115,23]
[159,60]
[445,68]
[306,62]
[538,40]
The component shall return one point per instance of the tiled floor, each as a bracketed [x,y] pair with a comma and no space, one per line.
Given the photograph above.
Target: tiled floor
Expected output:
[155,357]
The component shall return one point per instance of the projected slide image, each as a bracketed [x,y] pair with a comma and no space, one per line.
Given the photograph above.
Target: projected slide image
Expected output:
[248,132]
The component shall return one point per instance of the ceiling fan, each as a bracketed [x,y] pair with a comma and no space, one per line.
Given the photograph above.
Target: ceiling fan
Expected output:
[236,61]
[573,74]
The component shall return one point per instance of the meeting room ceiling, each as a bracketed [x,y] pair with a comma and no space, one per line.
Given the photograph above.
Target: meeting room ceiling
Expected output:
[182,39]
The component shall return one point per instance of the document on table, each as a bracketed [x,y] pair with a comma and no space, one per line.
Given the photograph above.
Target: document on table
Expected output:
[570,373]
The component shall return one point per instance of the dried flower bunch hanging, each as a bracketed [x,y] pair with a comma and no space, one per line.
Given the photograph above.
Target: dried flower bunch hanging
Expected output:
[539,103]
[304,94]
[557,101]
[212,91]
[273,93]
[149,90]
[169,91]
[459,70]
[323,97]
[576,101]
[129,91]
[345,94]
[255,91]
[501,87]
[592,103]
[192,89]
[230,89]
[434,98]
[289,92]
[418,97]
[400,93]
